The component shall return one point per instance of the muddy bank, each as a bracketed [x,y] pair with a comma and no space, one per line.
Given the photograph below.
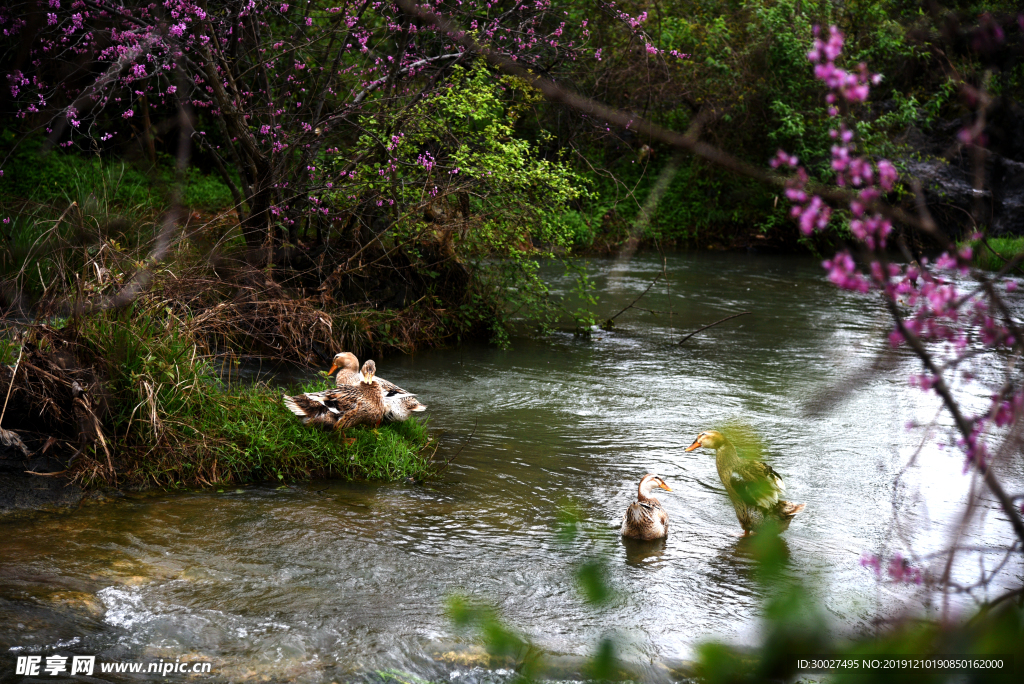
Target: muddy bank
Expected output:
[20,490]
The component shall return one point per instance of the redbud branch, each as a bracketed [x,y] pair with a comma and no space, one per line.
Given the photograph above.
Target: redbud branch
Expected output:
[963,424]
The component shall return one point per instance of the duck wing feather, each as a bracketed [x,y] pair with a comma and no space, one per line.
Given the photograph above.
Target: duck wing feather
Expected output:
[645,520]
[756,483]
[330,407]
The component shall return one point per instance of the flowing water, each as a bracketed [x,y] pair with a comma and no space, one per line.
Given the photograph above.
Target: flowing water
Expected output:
[328,581]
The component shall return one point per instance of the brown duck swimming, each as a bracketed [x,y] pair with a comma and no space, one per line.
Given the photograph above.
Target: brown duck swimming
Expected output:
[754,488]
[399,404]
[645,518]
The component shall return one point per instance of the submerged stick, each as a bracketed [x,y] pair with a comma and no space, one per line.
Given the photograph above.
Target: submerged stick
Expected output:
[711,325]
[461,447]
[609,324]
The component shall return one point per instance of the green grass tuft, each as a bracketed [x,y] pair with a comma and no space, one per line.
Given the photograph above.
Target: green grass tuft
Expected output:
[254,436]
[998,250]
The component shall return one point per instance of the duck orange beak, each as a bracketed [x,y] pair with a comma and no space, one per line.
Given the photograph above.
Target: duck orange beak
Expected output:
[695,445]
[665,487]
[334,367]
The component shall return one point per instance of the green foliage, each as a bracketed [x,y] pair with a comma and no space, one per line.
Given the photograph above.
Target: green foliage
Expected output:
[994,253]
[457,155]
[468,132]
[503,644]
[57,178]
[584,291]
[205,191]
[697,203]
[152,365]
[9,350]
[748,69]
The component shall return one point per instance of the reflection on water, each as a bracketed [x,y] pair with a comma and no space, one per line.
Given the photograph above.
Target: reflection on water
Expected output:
[641,551]
[326,581]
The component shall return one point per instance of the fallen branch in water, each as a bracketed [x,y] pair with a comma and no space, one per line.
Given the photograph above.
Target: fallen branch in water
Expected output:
[653,311]
[463,446]
[711,325]
[610,323]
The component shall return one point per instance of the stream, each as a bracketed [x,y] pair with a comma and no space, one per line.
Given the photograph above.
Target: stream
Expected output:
[329,581]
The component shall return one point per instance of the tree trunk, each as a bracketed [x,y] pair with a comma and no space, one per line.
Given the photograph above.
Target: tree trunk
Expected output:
[256,226]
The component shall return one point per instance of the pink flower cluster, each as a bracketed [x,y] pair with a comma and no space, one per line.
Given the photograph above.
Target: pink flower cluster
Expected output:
[898,568]
[850,86]
[936,310]
[810,212]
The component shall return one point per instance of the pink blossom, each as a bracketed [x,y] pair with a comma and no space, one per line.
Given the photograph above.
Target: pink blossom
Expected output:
[842,271]
[871,561]
[887,175]
[900,570]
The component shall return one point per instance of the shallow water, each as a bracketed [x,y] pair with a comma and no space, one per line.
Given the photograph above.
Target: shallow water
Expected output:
[328,581]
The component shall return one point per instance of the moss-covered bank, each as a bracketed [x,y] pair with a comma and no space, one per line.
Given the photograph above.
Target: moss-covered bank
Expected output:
[127,399]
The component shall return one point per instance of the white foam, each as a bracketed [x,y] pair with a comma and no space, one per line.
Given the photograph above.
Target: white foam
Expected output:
[124,607]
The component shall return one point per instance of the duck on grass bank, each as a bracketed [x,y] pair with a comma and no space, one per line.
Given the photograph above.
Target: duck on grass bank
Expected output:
[754,488]
[347,366]
[347,406]
[399,403]
[645,518]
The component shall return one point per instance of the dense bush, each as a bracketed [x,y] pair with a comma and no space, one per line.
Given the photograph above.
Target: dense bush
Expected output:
[747,74]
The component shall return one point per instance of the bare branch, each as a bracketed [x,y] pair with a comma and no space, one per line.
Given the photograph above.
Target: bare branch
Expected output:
[711,325]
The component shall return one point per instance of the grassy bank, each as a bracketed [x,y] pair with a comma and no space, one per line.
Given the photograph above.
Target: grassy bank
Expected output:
[127,398]
[248,435]
[995,252]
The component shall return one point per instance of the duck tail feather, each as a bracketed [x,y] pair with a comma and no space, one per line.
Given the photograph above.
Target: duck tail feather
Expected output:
[291,405]
[788,509]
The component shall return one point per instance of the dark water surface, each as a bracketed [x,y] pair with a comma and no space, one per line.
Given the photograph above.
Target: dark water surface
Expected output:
[327,581]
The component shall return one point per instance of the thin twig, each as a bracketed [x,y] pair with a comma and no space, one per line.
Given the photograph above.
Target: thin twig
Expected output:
[11,386]
[744,313]
[609,324]
[464,443]
[653,311]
